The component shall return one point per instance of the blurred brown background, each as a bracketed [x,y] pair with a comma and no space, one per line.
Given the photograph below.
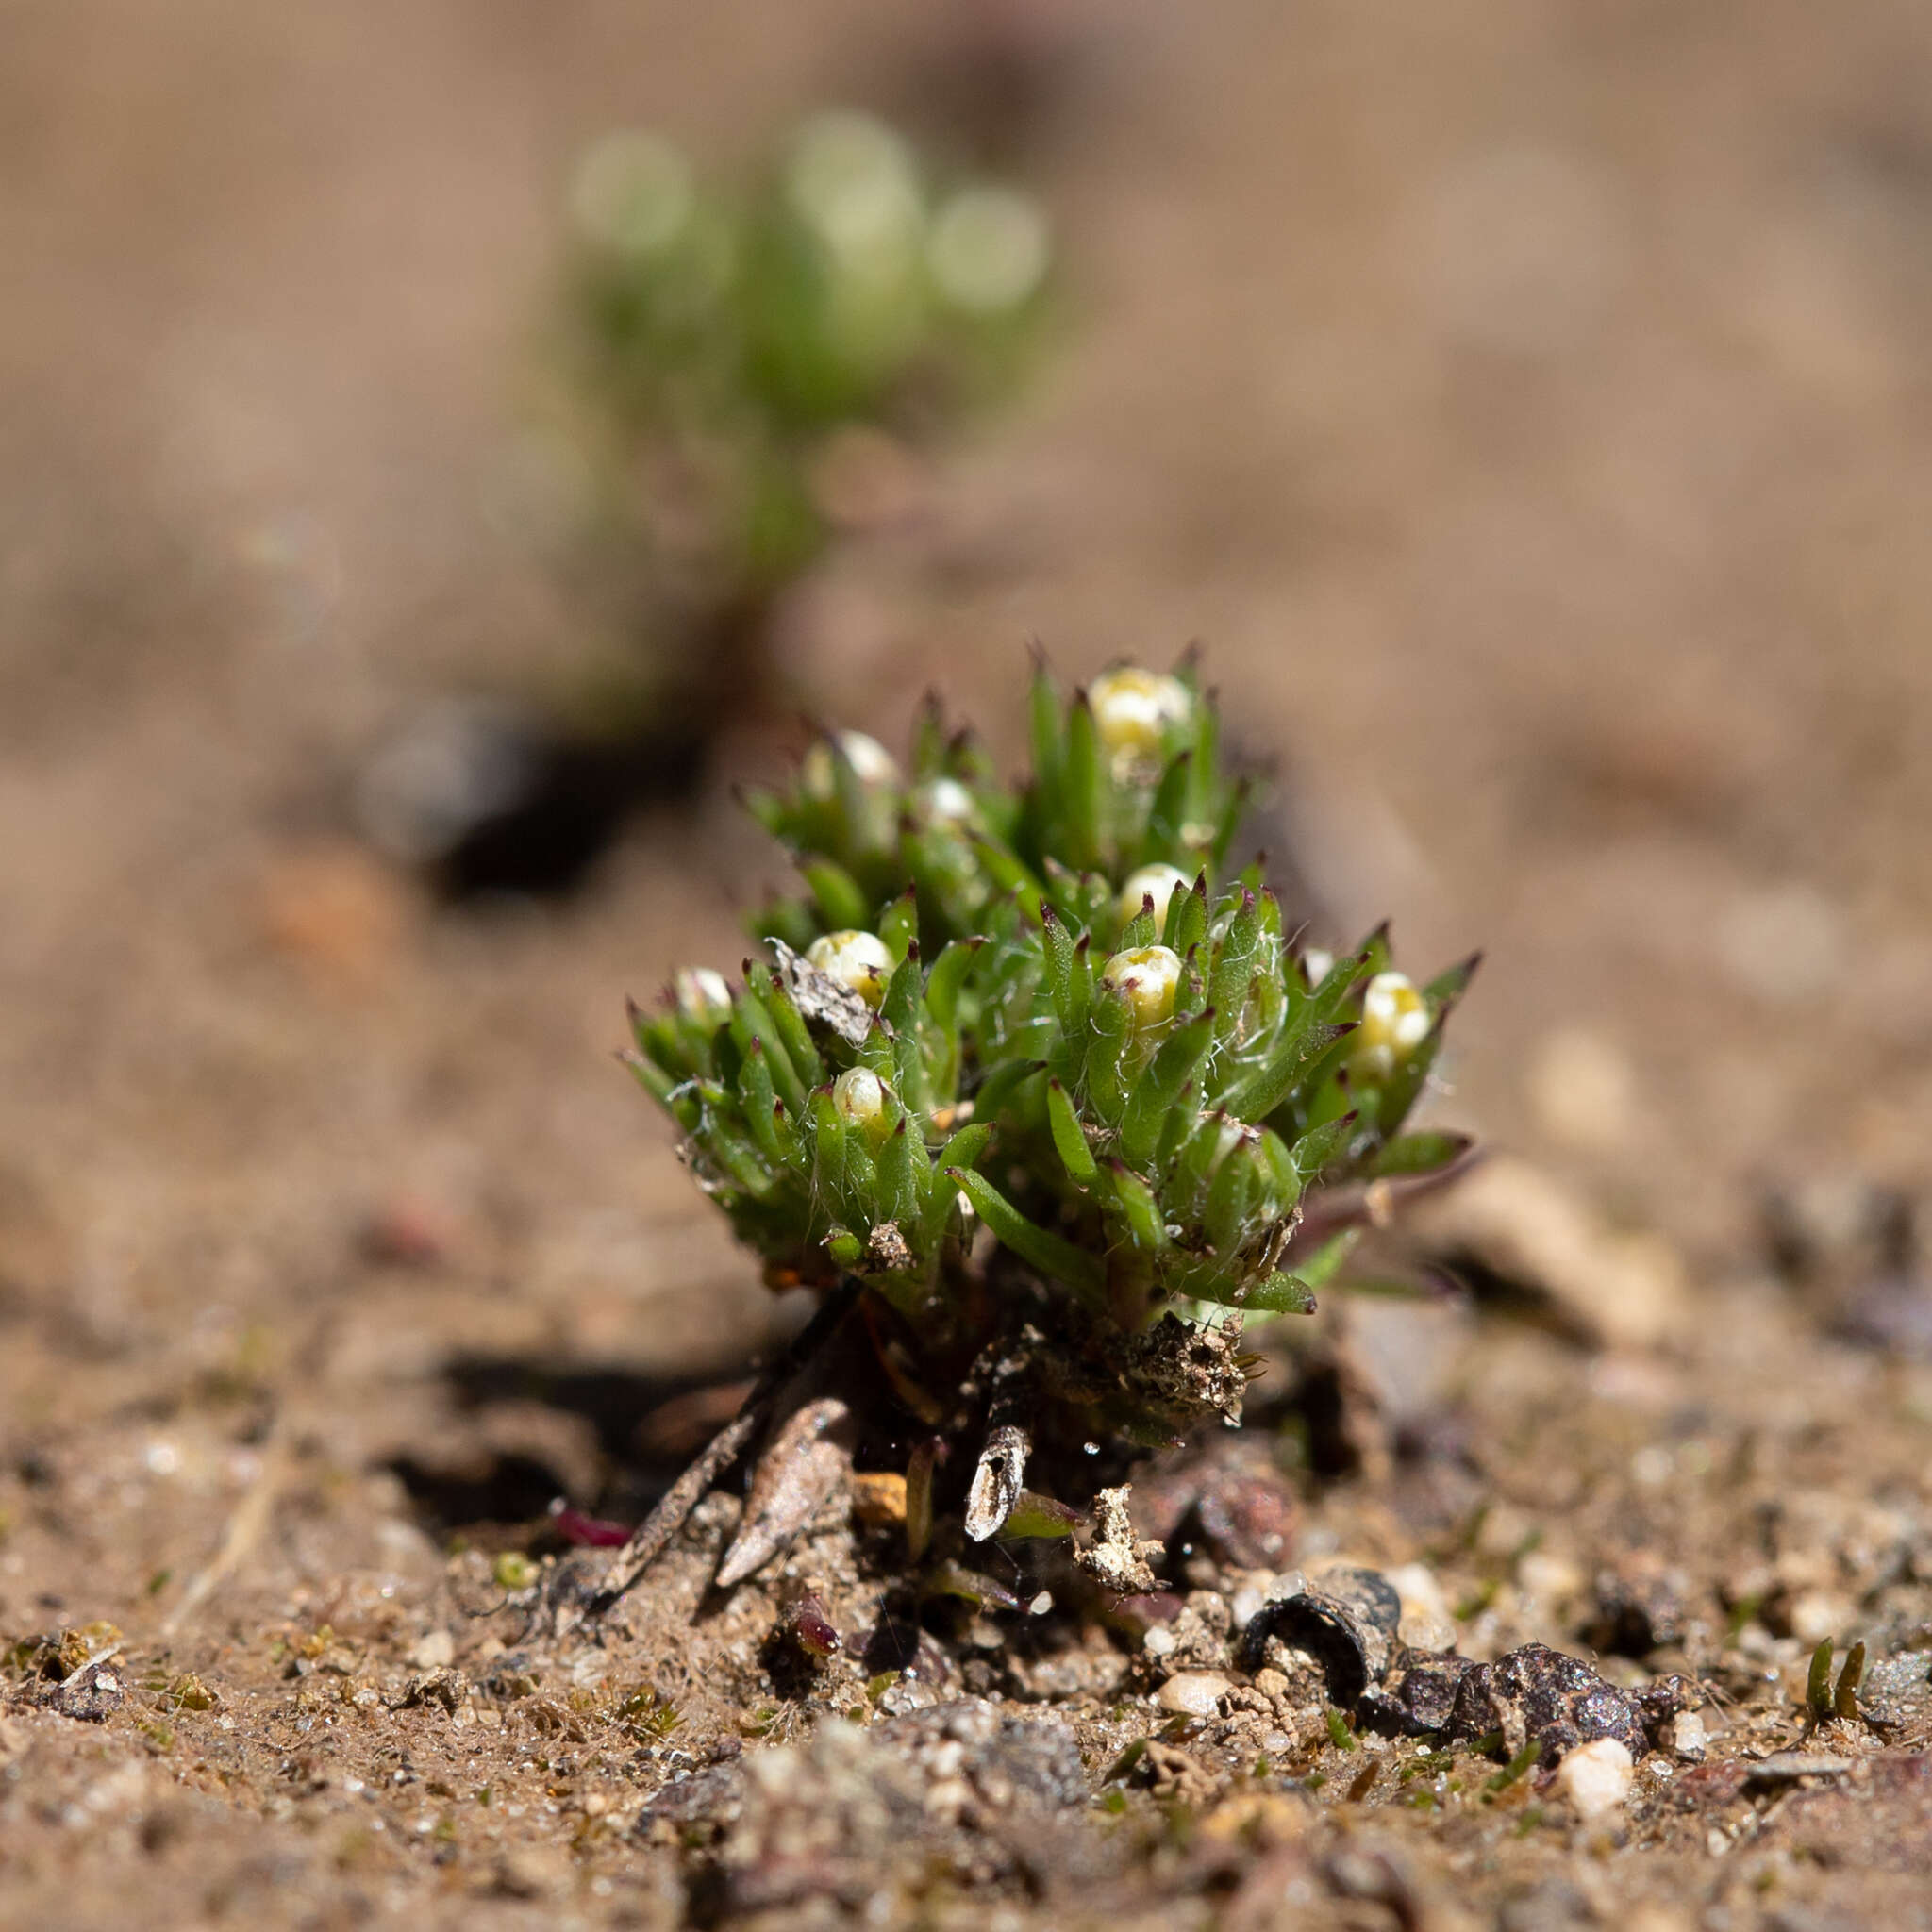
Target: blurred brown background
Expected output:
[1526,404]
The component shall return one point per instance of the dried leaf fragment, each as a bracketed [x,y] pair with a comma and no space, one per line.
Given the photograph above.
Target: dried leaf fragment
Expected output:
[823,1001]
[808,1458]
[996,1481]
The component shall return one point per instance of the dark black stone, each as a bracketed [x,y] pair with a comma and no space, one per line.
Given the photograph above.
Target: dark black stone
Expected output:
[1539,1695]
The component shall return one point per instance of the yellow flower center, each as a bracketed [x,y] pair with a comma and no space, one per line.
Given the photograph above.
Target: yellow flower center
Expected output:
[1396,1020]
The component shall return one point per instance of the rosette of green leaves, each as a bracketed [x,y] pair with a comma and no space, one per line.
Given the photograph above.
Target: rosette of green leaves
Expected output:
[1142,1165]
[1135,1165]
[815,1188]
[953,833]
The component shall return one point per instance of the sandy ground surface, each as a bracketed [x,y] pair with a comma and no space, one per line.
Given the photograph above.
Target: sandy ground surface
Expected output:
[1521,403]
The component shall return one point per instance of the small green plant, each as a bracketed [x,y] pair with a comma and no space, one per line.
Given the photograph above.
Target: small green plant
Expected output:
[1044,1090]
[1825,1701]
[747,368]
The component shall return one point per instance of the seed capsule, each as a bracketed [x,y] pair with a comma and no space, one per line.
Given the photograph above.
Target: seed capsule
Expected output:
[1157,882]
[1133,709]
[859,1095]
[858,959]
[1396,1020]
[1147,978]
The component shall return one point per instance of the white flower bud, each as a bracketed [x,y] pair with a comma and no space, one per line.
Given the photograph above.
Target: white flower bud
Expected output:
[855,183]
[858,959]
[989,250]
[861,1096]
[1158,882]
[1133,709]
[700,994]
[946,802]
[1316,963]
[1148,977]
[633,193]
[1396,1020]
[872,764]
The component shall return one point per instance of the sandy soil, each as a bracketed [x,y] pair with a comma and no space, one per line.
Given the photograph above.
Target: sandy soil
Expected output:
[1520,402]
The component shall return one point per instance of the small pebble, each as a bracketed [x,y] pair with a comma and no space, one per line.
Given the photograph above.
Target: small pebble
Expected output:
[1194,1693]
[1687,1739]
[434,1651]
[1596,1777]
[1245,1606]
[1159,1641]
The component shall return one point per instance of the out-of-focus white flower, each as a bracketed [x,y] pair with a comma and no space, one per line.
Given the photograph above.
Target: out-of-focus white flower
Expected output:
[1317,964]
[989,250]
[860,1095]
[947,802]
[700,994]
[1396,1020]
[1133,710]
[1157,882]
[855,182]
[872,764]
[632,191]
[858,959]
[1147,978]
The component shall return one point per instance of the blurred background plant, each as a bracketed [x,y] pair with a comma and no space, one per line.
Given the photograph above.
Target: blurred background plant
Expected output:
[738,373]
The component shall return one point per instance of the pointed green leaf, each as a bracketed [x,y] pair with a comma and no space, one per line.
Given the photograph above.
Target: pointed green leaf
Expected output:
[650,1076]
[1085,799]
[1418,1153]
[789,1029]
[1076,1155]
[751,1020]
[896,1175]
[1186,918]
[1136,1212]
[1280,1294]
[948,975]
[1034,1515]
[899,924]
[1168,812]
[1153,1096]
[830,1137]
[1447,987]
[1140,930]
[840,903]
[1054,1256]
[754,1082]
[1043,714]
[1256,1094]
[1111,1029]
[1320,1145]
